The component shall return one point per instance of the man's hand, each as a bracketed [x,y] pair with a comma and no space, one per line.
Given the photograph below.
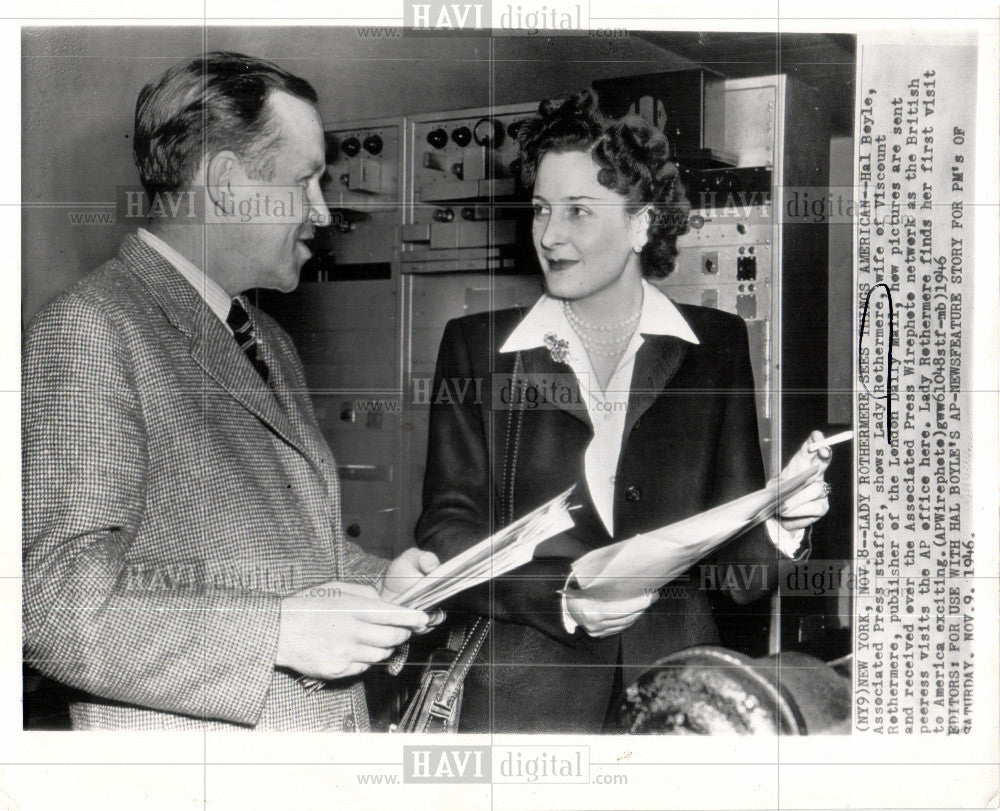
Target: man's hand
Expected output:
[811,503]
[336,629]
[406,570]
[602,618]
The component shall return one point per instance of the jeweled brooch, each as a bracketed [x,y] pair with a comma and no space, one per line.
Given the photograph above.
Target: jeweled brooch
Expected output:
[558,347]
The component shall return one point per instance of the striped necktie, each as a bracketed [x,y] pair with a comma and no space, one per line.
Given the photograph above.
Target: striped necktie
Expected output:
[239,322]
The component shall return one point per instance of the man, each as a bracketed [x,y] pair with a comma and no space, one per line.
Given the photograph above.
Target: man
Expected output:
[184,561]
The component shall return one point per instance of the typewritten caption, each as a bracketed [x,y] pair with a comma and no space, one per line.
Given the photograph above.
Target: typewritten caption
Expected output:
[915,606]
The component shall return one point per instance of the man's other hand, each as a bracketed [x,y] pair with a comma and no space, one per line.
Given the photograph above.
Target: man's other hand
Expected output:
[336,630]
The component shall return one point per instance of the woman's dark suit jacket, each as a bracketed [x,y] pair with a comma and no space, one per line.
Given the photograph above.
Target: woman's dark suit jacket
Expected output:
[690,443]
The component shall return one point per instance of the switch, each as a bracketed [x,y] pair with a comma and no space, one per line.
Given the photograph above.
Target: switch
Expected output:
[433,161]
[474,213]
[365,174]
[746,268]
[710,263]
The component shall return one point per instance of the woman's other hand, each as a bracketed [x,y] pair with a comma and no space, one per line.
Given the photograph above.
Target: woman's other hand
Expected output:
[812,502]
[601,618]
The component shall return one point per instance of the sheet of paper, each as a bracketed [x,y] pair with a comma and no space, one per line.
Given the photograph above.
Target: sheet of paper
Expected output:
[633,567]
[505,550]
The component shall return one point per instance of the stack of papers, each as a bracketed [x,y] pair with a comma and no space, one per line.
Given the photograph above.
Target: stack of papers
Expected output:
[627,569]
[498,554]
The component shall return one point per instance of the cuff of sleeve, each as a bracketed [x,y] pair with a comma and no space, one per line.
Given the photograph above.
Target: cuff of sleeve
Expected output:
[568,622]
[788,542]
[364,567]
[394,664]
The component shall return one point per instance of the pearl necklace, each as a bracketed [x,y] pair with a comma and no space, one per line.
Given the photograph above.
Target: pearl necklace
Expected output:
[618,326]
[608,346]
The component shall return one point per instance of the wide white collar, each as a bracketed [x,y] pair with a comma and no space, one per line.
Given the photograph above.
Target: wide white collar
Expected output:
[659,316]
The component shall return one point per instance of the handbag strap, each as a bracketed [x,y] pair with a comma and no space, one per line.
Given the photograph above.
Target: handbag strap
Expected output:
[468,647]
[515,419]
[459,669]
[445,705]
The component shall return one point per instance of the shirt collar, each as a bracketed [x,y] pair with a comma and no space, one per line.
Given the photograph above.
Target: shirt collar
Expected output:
[659,316]
[215,297]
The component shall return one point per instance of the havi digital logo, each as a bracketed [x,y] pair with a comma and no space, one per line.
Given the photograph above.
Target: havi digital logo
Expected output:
[441,16]
[446,764]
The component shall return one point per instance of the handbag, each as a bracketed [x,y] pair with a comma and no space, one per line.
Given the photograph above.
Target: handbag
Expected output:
[436,707]
[437,704]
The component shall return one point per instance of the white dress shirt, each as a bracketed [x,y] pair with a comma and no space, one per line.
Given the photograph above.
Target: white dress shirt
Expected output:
[215,297]
[607,409]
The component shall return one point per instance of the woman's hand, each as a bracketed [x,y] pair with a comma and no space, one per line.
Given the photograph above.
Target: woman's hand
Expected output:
[601,618]
[812,502]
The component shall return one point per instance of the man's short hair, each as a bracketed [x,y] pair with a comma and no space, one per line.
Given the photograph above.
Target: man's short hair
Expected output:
[210,103]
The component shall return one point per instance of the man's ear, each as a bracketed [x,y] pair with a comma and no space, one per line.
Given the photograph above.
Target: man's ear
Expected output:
[221,174]
[639,226]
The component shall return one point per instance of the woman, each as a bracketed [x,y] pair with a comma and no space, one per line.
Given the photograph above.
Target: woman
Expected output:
[646,406]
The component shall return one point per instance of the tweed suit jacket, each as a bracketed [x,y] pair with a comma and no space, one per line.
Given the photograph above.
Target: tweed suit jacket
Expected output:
[171,498]
[690,443]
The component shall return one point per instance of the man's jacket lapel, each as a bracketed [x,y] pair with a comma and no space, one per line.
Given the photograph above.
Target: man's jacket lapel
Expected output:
[293,398]
[211,345]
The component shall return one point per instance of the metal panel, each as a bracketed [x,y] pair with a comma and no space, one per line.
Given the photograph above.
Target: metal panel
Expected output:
[730,257]
[348,332]
[459,191]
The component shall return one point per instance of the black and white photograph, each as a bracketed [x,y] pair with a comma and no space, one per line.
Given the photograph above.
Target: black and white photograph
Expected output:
[506,390]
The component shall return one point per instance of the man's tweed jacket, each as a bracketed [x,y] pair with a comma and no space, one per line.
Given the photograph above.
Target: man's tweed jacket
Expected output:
[170,498]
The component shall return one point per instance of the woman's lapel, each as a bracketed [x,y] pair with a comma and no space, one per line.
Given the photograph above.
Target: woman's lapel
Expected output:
[553,384]
[656,364]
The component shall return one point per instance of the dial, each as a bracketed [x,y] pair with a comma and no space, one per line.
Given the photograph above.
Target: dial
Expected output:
[351,146]
[462,136]
[488,132]
[437,138]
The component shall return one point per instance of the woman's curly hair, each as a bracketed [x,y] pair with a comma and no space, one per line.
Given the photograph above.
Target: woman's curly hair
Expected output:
[633,160]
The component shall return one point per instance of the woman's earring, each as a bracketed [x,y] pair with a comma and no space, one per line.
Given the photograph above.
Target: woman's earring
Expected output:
[641,238]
